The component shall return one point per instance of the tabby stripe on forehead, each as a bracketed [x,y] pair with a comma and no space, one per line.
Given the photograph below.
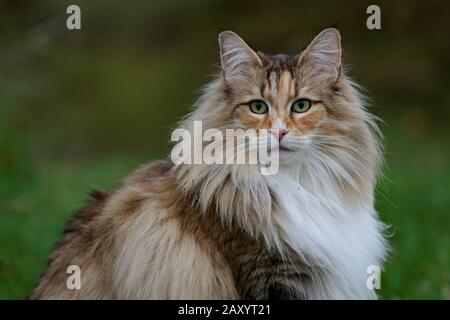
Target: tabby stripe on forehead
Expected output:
[262,87]
[285,83]
[268,79]
[296,88]
[291,84]
[274,82]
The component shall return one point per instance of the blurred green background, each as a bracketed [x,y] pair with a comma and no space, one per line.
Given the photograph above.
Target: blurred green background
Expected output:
[81,109]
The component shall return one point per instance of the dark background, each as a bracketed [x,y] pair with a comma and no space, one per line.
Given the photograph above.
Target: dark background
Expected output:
[81,109]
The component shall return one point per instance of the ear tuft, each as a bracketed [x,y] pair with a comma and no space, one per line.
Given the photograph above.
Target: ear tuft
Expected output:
[324,53]
[235,54]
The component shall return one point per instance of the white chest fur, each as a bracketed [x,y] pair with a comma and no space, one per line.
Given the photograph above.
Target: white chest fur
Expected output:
[342,239]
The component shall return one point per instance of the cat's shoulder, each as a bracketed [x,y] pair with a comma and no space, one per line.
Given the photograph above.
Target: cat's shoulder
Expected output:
[149,172]
[144,184]
[124,199]
[86,216]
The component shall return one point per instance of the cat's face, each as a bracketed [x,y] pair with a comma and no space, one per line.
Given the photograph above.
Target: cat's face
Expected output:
[281,104]
[295,97]
[314,114]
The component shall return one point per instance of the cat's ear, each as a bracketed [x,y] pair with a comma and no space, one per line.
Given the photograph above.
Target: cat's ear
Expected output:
[235,54]
[323,55]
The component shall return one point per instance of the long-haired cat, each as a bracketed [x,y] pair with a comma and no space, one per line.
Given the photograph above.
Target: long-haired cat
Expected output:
[199,231]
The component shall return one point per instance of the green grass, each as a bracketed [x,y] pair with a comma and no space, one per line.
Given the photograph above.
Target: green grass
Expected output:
[413,198]
[33,216]
[70,100]
[68,104]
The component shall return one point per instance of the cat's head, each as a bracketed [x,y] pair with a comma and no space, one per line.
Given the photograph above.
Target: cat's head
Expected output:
[296,97]
[314,112]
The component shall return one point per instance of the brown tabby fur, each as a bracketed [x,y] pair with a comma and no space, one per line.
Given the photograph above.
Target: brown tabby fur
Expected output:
[156,236]
[88,240]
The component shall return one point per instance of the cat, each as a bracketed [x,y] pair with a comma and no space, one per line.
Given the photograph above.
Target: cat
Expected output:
[199,231]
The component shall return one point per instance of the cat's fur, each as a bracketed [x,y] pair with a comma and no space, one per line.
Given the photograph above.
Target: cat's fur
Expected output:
[226,231]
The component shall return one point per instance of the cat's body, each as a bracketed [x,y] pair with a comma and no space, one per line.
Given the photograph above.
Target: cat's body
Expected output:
[227,231]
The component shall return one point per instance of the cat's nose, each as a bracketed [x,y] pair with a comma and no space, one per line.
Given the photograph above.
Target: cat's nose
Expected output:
[279,133]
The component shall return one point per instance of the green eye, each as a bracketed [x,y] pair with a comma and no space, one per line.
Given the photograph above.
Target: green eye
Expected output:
[258,107]
[301,105]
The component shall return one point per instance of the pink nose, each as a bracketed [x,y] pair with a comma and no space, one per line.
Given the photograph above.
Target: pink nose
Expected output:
[278,133]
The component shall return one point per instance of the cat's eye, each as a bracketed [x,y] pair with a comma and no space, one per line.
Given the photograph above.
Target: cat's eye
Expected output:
[301,105]
[258,107]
